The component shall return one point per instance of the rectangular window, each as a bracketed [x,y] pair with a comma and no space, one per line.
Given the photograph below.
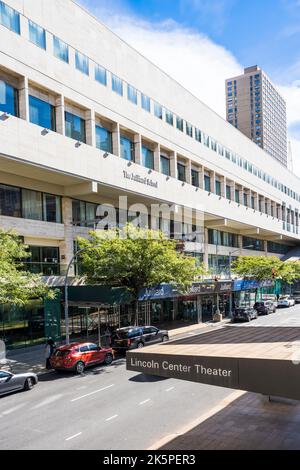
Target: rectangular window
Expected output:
[9,18]
[179,123]
[146,103]
[75,127]
[218,187]
[207,185]
[169,118]
[117,85]
[228,192]
[181,172]
[158,112]
[132,94]
[213,145]
[8,99]
[32,207]
[37,35]
[41,113]
[206,140]
[78,211]
[126,148]
[165,165]
[52,208]
[100,74]
[245,199]
[103,139]
[195,178]
[60,49]
[189,129]
[82,62]
[10,201]
[198,135]
[147,158]
[237,196]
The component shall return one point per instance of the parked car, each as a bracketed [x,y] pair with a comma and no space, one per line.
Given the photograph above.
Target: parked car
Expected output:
[244,314]
[296,297]
[76,357]
[13,382]
[286,301]
[133,337]
[264,307]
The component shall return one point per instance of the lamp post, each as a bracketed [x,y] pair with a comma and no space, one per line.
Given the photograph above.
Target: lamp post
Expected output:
[230,276]
[66,286]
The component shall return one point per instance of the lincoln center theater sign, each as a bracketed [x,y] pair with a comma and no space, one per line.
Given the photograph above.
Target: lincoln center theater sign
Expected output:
[258,359]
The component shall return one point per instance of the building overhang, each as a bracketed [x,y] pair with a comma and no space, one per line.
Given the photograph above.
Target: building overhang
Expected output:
[262,360]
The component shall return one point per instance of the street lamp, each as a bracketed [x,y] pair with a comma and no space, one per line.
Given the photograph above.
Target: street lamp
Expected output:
[67,288]
[230,276]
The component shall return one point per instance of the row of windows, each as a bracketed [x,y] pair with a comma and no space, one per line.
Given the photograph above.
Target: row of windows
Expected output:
[29,204]
[217,237]
[11,19]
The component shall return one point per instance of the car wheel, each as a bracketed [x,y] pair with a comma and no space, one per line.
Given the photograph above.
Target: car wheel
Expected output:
[29,383]
[140,345]
[108,359]
[165,339]
[79,368]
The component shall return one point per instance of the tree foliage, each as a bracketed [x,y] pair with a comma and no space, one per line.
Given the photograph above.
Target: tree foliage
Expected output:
[18,286]
[265,268]
[135,258]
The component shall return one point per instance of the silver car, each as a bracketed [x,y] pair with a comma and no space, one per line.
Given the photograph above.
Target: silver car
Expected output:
[13,382]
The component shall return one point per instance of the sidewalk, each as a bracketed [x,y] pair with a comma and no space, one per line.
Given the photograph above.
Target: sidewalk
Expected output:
[32,359]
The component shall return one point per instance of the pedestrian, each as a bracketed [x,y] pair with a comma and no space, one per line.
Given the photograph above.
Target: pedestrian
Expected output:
[49,351]
[107,336]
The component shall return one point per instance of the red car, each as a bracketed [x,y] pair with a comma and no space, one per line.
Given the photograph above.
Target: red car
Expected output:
[77,356]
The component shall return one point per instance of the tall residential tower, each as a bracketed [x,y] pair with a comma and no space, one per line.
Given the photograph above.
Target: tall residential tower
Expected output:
[255,107]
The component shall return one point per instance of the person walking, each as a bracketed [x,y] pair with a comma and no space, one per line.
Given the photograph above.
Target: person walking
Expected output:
[49,351]
[107,336]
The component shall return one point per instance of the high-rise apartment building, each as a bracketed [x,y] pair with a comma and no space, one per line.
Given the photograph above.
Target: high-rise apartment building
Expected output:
[255,107]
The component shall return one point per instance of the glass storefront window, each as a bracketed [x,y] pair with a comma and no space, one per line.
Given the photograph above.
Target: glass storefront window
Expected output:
[41,113]
[75,127]
[103,139]
[10,201]
[127,148]
[147,158]
[8,99]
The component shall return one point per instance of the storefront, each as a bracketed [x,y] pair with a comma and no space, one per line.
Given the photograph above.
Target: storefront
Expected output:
[247,291]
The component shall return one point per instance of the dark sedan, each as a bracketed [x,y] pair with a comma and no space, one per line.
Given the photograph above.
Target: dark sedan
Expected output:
[265,307]
[13,382]
[244,314]
[133,337]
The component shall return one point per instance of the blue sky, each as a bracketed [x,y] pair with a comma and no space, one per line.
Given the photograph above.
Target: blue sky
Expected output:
[215,39]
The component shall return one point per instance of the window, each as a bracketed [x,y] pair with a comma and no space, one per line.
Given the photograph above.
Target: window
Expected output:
[195,178]
[179,123]
[8,99]
[82,62]
[218,187]
[10,201]
[132,94]
[169,118]
[237,196]
[9,18]
[228,192]
[198,134]
[206,140]
[60,49]
[146,103]
[207,185]
[51,208]
[181,172]
[147,158]
[100,74]
[213,145]
[165,165]
[257,245]
[78,211]
[117,85]
[103,139]
[245,199]
[126,148]
[158,112]
[41,113]
[37,35]
[32,207]
[189,129]
[75,127]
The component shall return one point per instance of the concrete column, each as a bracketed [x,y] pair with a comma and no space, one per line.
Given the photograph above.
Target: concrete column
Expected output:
[23,99]
[205,253]
[90,126]
[232,192]
[116,139]
[157,158]
[60,115]
[213,182]
[201,177]
[173,164]
[138,149]
[240,241]
[223,186]
[266,247]
[67,245]
[188,172]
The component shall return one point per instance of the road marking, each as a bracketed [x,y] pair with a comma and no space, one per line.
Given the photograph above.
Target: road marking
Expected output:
[112,417]
[169,389]
[92,393]
[145,401]
[73,437]
[11,410]
[47,401]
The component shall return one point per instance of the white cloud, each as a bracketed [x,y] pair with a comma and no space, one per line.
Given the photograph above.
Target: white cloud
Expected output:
[191,58]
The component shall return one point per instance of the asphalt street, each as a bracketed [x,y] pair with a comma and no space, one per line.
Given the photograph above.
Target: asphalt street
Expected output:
[111,408]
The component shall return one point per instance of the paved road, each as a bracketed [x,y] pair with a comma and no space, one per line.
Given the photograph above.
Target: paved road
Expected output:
[282,317]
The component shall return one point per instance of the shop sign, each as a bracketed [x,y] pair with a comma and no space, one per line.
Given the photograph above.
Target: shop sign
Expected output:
[140,179]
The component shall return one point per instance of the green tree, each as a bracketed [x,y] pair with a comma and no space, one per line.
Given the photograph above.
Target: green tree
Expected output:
[18,286]
[136,258]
